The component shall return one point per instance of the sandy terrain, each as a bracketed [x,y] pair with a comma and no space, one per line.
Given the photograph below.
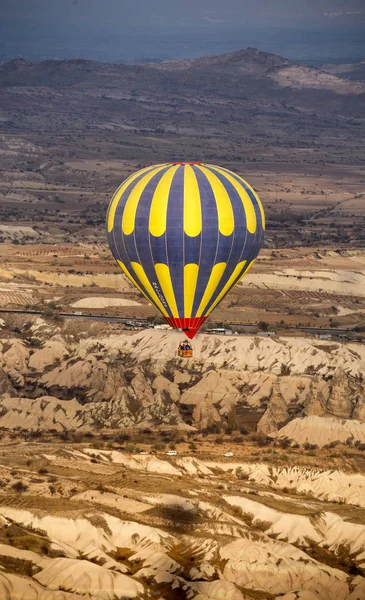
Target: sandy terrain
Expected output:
[328,281]
[300,76]
[320,431]
[98,302]
[319,288]
[236,530]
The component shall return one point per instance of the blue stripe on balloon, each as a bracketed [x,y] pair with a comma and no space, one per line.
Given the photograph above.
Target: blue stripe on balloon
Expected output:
[259,233]
[126,250]
[122,200]
[226,243]
[209,236]
[118,216]
[125,244]
[224,248]
[258,237]
[192,249]
[175,237]
[129,243]
[142,235]
[239,236]
[158,249]
[246,246]
[118,243]
[251,195]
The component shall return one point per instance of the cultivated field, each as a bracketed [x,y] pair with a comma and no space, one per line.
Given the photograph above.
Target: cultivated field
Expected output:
[311,287]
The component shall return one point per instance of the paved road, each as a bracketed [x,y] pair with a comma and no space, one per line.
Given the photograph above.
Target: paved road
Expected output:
[110,319]
[103,318]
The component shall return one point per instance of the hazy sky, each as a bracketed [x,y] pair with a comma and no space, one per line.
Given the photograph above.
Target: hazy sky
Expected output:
[65,28]
[194,12]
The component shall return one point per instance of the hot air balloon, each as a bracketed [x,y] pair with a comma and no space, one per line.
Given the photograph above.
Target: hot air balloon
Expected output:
[184,234]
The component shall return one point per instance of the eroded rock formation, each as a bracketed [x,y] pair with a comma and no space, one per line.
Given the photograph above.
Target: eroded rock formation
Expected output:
[50,382]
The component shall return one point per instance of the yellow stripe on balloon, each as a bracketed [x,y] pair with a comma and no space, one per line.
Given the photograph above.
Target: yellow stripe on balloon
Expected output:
[192,204]
[118,194]
[256,197]
[164,278]
[261,209]
[214,279]
[224,206]
[245,198]
[129,214]
[237,274]
[228,286]
[139,271]
[158,212]
[191,272]
[133,281]
[258,202]
[248,268]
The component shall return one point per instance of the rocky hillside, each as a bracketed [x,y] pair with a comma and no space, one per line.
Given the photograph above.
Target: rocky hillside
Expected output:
[91,506]
[51,381]
[78,521]
[254,64]
[353,71]
[212,92]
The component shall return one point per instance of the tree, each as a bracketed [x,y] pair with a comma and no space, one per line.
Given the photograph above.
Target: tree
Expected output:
[263,325]
[159,321]
[334,323]
[19,487]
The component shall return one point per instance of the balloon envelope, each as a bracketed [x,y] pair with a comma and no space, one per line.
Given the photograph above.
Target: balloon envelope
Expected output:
[184,234]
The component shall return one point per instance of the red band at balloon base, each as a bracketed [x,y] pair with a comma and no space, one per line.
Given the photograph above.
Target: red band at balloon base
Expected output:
[189,326]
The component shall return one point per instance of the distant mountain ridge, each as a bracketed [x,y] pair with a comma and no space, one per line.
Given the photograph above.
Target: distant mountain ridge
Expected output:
[250,63]
[215,94]
[353,71]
